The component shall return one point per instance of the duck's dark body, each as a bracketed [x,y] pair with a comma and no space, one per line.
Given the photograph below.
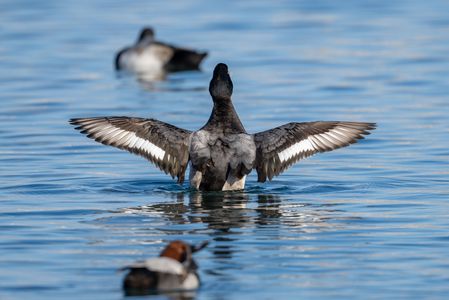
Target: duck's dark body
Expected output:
[220,162]
[184,60]
[221,153]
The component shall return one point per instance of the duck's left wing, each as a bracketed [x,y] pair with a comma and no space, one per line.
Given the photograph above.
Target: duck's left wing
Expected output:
[280,147]
[165,145]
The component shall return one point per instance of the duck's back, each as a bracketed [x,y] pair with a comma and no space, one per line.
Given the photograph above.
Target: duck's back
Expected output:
[185,59]
[220,161]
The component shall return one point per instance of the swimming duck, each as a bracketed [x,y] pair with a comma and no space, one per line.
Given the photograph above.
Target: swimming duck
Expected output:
[174,270]
[151,56]
[221,154]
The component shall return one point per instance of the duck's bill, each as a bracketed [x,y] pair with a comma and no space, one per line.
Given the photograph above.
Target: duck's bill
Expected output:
[200,246]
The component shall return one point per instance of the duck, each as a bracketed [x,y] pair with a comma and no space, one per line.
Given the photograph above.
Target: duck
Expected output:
[149,56]
[221,153]
[174,270]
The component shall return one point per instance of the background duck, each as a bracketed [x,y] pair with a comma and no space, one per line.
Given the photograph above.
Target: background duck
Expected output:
[151,56]
[174,270]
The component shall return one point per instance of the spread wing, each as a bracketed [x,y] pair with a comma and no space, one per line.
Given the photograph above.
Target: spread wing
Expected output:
[165,145]
[280,147]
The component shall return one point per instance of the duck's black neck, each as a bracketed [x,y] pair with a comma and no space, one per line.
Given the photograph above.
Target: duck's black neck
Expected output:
[224,118]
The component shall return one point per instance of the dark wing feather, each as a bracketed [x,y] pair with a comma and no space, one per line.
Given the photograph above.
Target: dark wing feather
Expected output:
[165,145]
[280,147]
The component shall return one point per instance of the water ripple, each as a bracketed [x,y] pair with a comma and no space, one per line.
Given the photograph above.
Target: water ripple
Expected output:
[368,221]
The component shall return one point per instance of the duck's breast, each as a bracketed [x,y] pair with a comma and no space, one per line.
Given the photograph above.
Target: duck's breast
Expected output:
[191,282]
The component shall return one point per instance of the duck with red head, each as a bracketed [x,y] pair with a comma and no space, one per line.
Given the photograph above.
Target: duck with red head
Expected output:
[174,270]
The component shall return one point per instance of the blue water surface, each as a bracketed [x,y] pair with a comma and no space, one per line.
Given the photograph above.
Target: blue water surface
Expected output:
[370,221]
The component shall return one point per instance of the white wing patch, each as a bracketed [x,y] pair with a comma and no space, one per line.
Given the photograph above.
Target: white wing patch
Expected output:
[131,140]
[334,138]
[107,133]
[300,147]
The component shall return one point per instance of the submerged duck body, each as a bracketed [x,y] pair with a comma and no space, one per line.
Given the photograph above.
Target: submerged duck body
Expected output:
[174,270]
[221,154]
[151,56]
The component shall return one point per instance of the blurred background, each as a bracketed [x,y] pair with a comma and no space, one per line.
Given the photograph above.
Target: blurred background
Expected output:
[369,221]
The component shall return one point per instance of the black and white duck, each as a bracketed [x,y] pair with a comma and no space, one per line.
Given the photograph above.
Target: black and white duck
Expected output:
[149,56]
[221,153]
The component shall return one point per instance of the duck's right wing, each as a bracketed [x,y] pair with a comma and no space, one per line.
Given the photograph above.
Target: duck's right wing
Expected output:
[165,145]
[280,147]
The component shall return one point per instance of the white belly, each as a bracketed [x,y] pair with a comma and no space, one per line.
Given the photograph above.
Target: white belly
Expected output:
[140,62]
[191,282]
[147,63]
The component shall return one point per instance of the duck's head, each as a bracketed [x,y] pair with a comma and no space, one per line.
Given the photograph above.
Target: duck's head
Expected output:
[182,252]
[220,86]
[147,34]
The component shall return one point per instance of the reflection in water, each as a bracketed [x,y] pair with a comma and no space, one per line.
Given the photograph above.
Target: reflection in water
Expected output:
[183,81]
[150,78]
[147,80]
[183,295]
[228,215]
[220,211]
[268,209]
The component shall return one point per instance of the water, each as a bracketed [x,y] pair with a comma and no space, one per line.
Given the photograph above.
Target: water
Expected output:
[368,221]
